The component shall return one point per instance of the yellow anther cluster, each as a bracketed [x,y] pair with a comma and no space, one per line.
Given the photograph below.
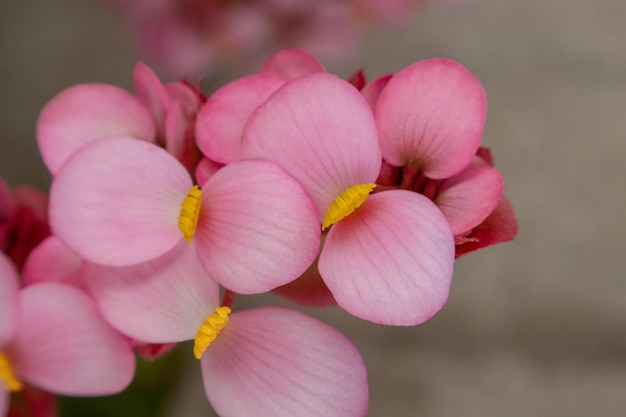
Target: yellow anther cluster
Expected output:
[209,330]
[346,203]
[7,376]
[189,212]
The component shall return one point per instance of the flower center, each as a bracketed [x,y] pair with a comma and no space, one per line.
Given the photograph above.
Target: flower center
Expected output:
[189,211]
[345,204]
[7,376]
[209,330]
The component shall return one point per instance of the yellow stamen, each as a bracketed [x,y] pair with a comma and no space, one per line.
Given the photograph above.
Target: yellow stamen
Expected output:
[189,211]
[7,376]
[345,204]
[209,330]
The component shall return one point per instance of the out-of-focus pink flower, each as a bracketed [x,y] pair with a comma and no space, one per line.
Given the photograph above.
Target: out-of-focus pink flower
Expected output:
[189,37]
[120,201]
[267,361]
[80,353]
[388,257]
[23,221]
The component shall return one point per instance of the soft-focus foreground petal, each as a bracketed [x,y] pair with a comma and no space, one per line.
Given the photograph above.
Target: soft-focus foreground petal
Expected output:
[64,346]
[9,300]
[391,261]
[117,201]
[291,63]
[321,131]
[273,361]
[221,119]
[84,113]
[53,261]
[257,227]
[468,198]
[500,226]
[432,114]
[160,301]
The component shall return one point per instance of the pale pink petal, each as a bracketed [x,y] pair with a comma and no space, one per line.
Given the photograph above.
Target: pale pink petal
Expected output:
[180,139]
[117,201]
[4,401]
[64,346]
[257,228]
[391,261]
[321,131]
[278,362]
[152,94]
[291,63]
[160,301]
[468,198]
[432,114]
[9,300]
[53,261]
[84,113]
[205,169]
[221,119]
[374,88]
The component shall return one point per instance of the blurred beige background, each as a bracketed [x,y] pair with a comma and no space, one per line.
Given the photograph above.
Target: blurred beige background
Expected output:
[532,328]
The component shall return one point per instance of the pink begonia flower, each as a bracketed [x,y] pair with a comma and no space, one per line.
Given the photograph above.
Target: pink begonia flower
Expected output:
[23,221]
[267,361]
[163,114]
[430,117]
[80,355]
[121,201]
[388,257]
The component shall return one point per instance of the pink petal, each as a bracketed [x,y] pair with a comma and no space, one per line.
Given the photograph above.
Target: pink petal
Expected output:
[321,131]
[499,227]
[432,113]
[221,119]
[152,94]
[153,351]
[391,261]
[257,228]
[291,63]
[205,169]
[64,346]
[374,88]
[9,300]
[117,201]
[160,301]
[184,95]
[53,261]
[308,290]
[468,198]
[84,113]
[278,362]
[180,139]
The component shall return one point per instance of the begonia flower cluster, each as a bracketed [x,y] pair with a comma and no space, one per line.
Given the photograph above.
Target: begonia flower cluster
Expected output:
[191,37]
[290,180]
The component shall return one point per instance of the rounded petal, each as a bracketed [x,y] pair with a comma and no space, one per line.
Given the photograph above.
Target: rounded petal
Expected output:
[64,346]
[160,301]
[391,261]
[468,198]
[374,88]
[9,299]
[257,228]
[432,114]
[321,131]
[117,201]
[152,94]
[221,119]
[291,63]
[282,363]
[87,112]
[53,261]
